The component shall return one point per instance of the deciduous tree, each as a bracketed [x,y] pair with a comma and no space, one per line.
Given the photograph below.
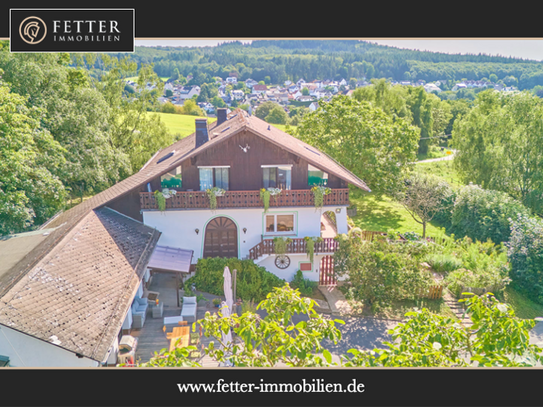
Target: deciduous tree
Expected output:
[363,138]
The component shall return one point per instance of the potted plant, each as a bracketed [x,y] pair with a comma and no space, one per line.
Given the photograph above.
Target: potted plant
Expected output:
[280,245]
[160,201]
[216,302]
[265,198]
[319,192]
[310,246]
[213,193]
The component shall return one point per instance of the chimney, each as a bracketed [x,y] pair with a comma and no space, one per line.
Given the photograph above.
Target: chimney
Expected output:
[221,116]
[202,135]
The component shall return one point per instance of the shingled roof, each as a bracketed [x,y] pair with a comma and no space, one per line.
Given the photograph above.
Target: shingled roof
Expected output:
[78,294]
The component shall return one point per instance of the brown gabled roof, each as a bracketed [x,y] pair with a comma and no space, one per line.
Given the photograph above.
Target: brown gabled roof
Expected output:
[78,294]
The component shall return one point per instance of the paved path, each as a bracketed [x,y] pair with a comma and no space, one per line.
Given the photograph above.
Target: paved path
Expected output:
[431,160]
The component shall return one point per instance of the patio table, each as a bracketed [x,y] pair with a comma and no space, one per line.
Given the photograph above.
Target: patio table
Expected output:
[179,332]
[157,310]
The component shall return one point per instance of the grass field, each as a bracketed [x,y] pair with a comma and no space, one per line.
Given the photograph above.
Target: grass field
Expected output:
[381,213]
[443,169]
[181,124]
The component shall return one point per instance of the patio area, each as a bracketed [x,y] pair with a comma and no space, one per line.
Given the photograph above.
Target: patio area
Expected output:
[151,338]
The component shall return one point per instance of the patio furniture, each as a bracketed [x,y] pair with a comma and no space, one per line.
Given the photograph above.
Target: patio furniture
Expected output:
[189,307]
[157,310]
[172,320]
[180,337]
[152,296]
[139,310]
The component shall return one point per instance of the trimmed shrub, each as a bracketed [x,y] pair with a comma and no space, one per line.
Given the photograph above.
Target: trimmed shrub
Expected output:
[380,271]
[253,282]
[484,214]
[304,285]
[525,253]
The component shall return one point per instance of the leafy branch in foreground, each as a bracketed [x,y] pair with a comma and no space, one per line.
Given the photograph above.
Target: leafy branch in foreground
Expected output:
[496,338]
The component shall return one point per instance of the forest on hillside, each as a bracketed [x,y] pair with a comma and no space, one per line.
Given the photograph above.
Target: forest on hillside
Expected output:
[275,61]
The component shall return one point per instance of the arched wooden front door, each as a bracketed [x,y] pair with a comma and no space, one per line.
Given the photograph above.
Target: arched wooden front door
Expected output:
[221,238]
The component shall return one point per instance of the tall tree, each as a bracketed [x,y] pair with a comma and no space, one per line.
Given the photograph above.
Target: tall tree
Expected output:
[29,192]
[363,138]
[132,129]
[500,145]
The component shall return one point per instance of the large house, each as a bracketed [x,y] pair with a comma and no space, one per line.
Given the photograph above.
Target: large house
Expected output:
[242,154]
[70,289]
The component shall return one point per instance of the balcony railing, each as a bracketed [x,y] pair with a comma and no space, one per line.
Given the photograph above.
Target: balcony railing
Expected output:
[298,245]
[244,199]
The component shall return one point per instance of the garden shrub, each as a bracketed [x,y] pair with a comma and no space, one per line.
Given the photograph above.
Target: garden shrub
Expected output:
[525,253]
[482,267]
[304,285]
[253,282]
[464,280]
[446,206]
[484,214]
[381,271]
[442,262]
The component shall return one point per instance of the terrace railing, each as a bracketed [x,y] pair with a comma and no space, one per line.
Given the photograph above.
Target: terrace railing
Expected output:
[244,199]
[298,245]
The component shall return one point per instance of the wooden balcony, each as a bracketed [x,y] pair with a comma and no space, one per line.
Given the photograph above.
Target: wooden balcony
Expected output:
[244,199]
[298,245]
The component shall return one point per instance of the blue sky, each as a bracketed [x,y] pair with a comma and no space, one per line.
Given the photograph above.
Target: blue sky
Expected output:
[520,48]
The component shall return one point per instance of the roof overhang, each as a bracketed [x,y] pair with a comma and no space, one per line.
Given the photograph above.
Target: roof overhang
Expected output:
[171,259]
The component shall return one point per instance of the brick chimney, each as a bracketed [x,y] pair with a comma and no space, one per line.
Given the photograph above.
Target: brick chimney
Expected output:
[202,136]
[221,116]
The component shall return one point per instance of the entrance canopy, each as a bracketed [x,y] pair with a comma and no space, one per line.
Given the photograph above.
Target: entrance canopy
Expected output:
[171,259]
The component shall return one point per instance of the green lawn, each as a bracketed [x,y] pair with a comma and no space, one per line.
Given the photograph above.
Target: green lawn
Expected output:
[382,213]
[443,169]
[282,127]
[523,307]
[181,124]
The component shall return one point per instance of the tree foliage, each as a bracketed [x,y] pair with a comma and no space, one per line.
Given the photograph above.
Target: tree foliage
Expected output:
[525,252]
[363,138]
[380,271]
[424,196]
[483,214]
[496,338]
[30,193]
[500,145]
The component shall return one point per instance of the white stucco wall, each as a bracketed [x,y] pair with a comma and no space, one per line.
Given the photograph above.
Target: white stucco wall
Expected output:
[178,226]
[26,351]
[295,259]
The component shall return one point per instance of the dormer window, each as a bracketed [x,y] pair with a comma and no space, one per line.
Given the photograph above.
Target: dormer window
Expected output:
[316,177]
[217,176]
[276,176]
[171,179]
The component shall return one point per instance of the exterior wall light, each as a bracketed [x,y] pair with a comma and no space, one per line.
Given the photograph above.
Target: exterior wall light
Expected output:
[197,231]
[245,230]
[338,210]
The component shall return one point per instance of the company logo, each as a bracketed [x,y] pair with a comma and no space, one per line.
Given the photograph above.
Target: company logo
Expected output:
[72,30]
[32,30]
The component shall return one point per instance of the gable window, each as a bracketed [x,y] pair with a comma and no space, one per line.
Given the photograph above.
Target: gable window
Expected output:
[214,177]
[280,223]
[171,179]
[276,176]
[316,176]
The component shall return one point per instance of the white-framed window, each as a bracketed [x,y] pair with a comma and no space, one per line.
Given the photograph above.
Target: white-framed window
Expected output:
[280,223]
[316,176]
[276,176]
[218,176]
